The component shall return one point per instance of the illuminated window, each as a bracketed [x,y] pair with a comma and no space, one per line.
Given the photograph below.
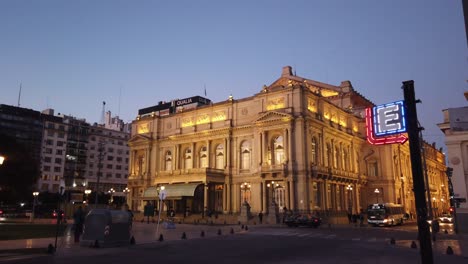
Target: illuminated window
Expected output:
[313,149]
[220,157]
[279,149]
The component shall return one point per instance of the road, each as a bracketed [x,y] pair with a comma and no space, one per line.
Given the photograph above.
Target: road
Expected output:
[262,244]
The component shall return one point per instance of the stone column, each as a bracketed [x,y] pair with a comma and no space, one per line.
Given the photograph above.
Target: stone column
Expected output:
[264,197]
[205,197]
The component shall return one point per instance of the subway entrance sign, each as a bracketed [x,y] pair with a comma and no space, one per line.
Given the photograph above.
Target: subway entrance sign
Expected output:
[386,124]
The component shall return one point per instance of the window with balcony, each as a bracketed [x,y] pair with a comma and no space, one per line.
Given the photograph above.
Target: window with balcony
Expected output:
[220,157]
[188,158]
[203,157]
[279,150]
[245,155]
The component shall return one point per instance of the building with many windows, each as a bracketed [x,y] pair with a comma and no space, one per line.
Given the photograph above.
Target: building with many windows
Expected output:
[297,144]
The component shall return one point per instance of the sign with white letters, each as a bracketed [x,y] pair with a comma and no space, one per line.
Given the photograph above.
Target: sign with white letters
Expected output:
[389,119]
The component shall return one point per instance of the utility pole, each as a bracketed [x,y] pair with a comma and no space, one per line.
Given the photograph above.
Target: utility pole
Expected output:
[417,170]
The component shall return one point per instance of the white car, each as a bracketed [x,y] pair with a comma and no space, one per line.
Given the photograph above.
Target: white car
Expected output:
[446,218]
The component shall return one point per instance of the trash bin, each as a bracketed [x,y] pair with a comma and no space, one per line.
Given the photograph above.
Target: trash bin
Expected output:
[105,227]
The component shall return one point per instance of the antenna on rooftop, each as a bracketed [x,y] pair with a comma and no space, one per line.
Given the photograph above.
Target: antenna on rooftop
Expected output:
[19,95]
[103,111]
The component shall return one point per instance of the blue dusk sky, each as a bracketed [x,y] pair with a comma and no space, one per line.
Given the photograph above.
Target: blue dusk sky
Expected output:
[72,55]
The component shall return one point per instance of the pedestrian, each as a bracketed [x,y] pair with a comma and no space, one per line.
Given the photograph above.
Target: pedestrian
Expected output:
[260,217]
[78,221]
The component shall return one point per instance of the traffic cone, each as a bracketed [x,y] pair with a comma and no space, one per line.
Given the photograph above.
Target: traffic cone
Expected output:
[184,236]
[449,250]
[161,238]
[413,244]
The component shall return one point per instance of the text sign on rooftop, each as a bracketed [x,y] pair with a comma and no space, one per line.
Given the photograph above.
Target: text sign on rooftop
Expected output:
[389,119]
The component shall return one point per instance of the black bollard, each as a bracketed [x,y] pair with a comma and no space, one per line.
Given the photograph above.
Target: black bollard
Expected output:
[242,226]
[449,250]
[219,232]
[184,236]
[96,244]
[161,238]
[246,228]
[392,241]
[238,223]
[445,232]
[413,244]
[232,230]
[202,234]
[132,241]
[255,223]
[50,249]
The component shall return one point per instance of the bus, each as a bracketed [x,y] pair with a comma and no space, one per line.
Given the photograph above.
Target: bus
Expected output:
[387,214]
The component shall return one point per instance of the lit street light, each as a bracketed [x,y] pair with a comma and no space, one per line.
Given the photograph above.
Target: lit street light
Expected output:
[245,188]
[35,194]
[111,191]
[126,191]
[377,192]
[87,192]
[350,204]
[2,159]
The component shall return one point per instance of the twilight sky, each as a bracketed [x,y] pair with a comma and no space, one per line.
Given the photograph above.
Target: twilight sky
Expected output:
[72,55]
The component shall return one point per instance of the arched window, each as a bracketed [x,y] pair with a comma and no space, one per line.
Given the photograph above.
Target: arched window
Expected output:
[279,149]
[313,149]
[203,157]
[220,157]
[168,159]
[188,162]
[245,155]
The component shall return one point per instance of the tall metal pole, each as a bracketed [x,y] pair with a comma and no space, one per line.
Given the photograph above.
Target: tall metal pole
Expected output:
[416,168]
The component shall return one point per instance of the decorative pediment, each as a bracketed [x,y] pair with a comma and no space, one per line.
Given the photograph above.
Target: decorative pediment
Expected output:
[139,139]
[273,116]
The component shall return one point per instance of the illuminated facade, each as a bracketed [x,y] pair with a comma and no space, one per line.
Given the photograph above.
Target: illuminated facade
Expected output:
[298,142]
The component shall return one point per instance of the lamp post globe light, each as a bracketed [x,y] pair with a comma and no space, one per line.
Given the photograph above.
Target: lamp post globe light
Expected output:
[87,193]
[126,191]
[350,201]
[245,188]
[35,194]
[111,191]
[377,192]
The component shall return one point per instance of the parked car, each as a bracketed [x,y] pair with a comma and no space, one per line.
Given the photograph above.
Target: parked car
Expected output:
[446,218]
[303,220]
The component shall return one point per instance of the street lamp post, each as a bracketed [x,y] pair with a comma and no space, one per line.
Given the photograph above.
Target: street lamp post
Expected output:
[350,204]
[162,197]
[377,192]
[35,194]
[126,191]
[111,191]
[245,187]
[87,192]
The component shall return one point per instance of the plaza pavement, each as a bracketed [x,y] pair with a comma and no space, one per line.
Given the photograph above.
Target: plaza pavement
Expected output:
[145,234]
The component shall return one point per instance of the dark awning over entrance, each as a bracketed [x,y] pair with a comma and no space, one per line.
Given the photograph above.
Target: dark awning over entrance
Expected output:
[173,191]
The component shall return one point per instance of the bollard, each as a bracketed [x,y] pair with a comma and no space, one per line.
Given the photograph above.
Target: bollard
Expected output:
[132,241]
[413,244]
[445,232]
[449,250]
[238,222]
[184,236]
[246,228]
[161,238]
[202,234]
[50,249]
[96,244]
[219,232]
[232,230]
[242,226]
[392,241]
[255,223]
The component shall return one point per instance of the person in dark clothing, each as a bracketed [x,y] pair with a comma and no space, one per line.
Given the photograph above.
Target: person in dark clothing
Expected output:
[78,221]
[260,217]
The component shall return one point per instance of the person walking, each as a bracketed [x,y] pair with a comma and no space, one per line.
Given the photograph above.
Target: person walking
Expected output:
[78,221]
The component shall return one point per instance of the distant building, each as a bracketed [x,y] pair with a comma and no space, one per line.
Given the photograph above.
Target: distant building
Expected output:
[67,150]
[298,143]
